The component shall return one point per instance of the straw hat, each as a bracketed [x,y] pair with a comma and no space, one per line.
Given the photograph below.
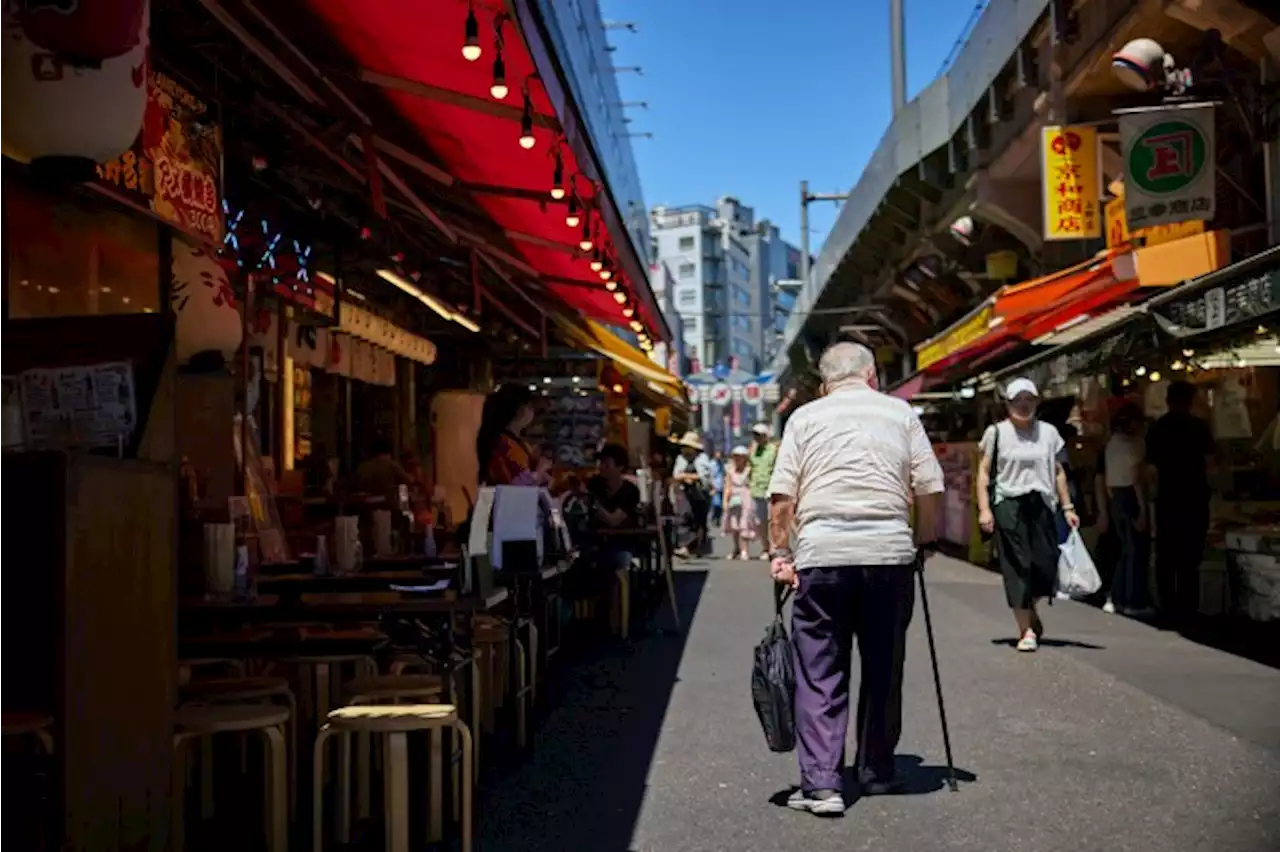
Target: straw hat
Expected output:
[690,439]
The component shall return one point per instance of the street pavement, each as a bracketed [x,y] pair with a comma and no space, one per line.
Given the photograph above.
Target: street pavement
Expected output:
[1113,737]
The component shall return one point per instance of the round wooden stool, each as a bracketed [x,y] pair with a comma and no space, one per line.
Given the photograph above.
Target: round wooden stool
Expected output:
[196,721]
[492,642]
[395,722]
[470,707]
[244,690]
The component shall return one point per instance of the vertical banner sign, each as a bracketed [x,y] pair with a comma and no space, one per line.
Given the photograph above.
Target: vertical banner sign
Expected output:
[1071,183]
[1168,164]
[1117,225]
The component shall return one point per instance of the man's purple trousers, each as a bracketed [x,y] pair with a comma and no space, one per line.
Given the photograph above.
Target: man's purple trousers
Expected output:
[832,605]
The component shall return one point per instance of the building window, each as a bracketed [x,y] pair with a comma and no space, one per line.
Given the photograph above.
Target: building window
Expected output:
[741,297]
[741,323]
[69,256]
[689,324]
[688,297]
[686,244]
[688,270]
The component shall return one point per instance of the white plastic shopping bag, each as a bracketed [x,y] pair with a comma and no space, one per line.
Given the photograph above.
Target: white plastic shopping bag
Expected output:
[1077,575]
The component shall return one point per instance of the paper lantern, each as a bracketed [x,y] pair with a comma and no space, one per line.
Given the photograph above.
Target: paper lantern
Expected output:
[65,117]
[84,32]
[207,316]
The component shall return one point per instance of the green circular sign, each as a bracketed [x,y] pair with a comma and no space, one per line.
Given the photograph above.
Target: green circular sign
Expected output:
[1168,157]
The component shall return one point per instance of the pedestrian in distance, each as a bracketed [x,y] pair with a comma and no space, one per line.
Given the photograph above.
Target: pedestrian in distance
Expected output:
[739,510]
[1021,486]
[848,469]
[764,453]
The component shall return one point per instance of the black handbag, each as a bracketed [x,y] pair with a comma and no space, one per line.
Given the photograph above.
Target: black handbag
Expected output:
[991,480]
[773,680]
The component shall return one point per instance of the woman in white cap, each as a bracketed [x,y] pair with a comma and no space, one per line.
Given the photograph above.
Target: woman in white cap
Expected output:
[740,519]
[1021,486]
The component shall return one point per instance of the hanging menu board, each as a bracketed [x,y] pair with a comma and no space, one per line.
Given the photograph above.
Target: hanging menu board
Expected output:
[83,407]
[573,428]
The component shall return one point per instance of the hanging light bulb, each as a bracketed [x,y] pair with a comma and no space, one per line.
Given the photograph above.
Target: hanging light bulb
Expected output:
[499,87]
[628,312]
[586,243]
[596,262]
[527,139]
[557,179]
[620,297]
[636,326]
[573,219]
[471,36]
[609,285]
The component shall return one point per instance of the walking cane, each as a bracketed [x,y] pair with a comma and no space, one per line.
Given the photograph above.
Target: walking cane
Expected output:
[937,678]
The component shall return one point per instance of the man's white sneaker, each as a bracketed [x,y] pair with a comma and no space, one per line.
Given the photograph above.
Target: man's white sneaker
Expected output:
[1028,642]
[827,803]
[1109,608]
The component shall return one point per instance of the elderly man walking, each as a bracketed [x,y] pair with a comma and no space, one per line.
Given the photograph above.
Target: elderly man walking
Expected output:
[849,468]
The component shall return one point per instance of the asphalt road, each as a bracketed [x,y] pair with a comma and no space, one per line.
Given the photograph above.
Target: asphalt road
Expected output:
[1113,737]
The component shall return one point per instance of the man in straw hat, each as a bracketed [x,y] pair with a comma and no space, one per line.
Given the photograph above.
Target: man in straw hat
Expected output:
[848,469]
[693,473]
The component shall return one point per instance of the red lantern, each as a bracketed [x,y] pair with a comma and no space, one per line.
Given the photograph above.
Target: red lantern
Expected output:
[208,318]
[57,111]
[84,32]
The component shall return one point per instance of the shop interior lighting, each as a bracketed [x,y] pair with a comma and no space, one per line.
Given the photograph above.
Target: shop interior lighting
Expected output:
[1177,365]
[427,299]
[617,388]
[557,178]
[471,36]
[573,218]
[527,139]
[1155,376]
[1140,372]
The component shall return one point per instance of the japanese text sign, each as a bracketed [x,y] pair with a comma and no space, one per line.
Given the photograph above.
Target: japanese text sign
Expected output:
[173,167]
[1071,183]
[1169,165]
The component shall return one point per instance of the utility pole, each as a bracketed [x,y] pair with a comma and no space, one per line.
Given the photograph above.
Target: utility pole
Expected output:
[806,198]
[898,54]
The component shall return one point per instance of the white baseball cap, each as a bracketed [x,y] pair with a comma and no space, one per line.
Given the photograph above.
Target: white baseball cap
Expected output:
[1020,385]
[760,429]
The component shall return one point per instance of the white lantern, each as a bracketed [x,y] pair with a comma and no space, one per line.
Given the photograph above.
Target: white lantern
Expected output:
[207,315]
[54,110]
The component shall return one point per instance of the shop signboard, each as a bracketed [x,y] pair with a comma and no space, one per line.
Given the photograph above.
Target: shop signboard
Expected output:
[720,394]
[1237,301]
[1071,183]
[1118,228]
[1168,164]
[173,168]
[751,393]
[961,335]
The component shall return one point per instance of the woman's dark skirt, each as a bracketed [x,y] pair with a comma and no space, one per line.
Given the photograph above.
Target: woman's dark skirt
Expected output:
[1027,544]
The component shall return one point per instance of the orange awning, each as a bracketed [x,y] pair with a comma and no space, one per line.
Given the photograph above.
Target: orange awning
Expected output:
[1044,293]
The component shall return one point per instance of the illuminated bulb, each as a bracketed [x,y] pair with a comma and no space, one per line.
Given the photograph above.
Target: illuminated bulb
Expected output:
[471,37]
[557,180]
[1155,376]
[527,139]
[617,388]
[620,297]
[586,243]
[499,88]
[628,312]
[610,285]
[573,218]
[1187,353]
[1176,365]
[636,326]
[596,264]
[606,274]
[1140,372]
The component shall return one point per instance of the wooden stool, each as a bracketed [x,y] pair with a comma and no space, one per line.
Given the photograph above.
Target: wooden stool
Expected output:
[34,725]
[194,721]
[379,689]
[491,643]
[620,609]
[408,664]
[188,667]
[395,721]
[243,690]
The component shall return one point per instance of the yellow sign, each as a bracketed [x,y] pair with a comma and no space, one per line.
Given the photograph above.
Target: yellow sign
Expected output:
[1118,228]
[1071,183]
[960,335]
[662,421]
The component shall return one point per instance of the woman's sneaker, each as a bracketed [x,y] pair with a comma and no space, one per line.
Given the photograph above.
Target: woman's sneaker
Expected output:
[1028,642]
[828,803]
[1109,607]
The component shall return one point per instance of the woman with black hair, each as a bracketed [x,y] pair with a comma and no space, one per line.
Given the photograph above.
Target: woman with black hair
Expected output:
[503,456]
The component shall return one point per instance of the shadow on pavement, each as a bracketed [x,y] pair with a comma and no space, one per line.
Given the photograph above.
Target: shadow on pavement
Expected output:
[1052,643]
[584,786]
[913,777]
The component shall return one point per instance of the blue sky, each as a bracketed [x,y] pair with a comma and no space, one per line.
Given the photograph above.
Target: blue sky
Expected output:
[749,97]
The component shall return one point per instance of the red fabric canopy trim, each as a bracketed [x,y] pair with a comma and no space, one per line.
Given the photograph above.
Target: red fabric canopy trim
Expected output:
[422,42]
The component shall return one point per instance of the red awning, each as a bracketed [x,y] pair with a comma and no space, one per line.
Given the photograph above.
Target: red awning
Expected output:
[909,388]
[416,46]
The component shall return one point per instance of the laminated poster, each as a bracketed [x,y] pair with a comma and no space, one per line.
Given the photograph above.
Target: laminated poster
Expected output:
[87,407]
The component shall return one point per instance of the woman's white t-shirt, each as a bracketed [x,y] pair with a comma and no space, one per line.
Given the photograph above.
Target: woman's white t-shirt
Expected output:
[1025,460]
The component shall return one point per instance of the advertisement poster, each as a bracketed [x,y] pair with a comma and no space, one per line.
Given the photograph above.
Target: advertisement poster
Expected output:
[86,407]
[1168,164]
[1071,183]
[173,167]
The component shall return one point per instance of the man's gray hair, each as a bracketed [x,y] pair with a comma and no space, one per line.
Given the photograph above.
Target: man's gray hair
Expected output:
[843,361]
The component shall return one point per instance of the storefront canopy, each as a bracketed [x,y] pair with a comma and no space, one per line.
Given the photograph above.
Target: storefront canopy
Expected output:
[412,51]
[595,337]
[1024,312]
